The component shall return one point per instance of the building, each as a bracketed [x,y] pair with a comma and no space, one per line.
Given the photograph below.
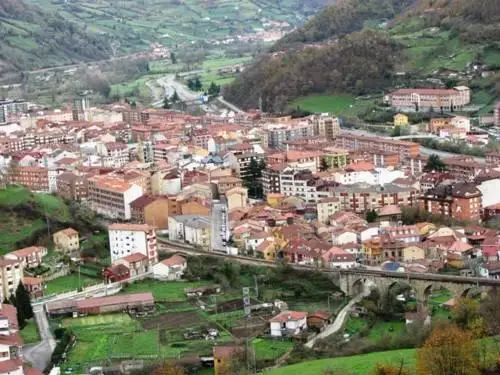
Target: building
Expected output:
[326,207]
[191,229]
[136,263]
[352,141]
[66,240]
[153,210]
[400,119]
[111,196]
[171,268]
[422,100]
[459,201]
[81,107]
[73,186]
[113,154]
[240,163]
[338,258]
[326,126]
[278,135]
[237,198]
[303,184]
[11,274]
[224,355]
[271,179]
[288,323]
[335,157]
[127,239]
[30,257]
[33,178]
[11,109]
[226,183]
[463,167]
[493,158]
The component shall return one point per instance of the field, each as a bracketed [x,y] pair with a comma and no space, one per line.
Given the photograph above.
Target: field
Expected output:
[164,291]
[266,349]
[358,364]
[68,283]
[30,333]
[334,104]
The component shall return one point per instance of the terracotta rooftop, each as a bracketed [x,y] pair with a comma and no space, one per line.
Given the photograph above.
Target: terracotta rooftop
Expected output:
[135,257]
[131,227]
[174,260]
[286,316]
[27,251]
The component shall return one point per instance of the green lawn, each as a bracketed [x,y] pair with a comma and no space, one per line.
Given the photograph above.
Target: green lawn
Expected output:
[223,62]
[30,333]
[354,325]
[54,206]
[68,283]
[170,291]
[334,104]
[14,196]
[356,365]
[136,344]
[390,329]
[266,349]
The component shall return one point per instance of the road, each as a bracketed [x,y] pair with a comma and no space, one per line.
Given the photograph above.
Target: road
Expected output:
[170,85]
[220,230]
[229,105]
[39,354]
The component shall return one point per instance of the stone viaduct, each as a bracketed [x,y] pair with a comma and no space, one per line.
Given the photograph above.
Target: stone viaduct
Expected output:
[353,282]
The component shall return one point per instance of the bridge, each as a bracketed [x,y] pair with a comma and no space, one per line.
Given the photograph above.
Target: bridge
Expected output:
[417,136]
[353,282]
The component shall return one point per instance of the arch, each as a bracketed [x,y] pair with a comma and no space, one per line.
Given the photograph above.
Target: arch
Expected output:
[471,292]
[358,286]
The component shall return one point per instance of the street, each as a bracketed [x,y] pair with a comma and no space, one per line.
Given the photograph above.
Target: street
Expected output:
[219,233]
[39,354]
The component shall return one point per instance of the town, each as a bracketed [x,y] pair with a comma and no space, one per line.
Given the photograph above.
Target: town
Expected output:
[162,188]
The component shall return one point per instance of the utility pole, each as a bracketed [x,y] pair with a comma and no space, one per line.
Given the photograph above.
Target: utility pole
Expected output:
[256,286]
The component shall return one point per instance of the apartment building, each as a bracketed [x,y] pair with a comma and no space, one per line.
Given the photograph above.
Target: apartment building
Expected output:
[228,182]
[326,126]
[271,178]
[111,196]
[9,109]
[415,100]
[303,184]
[300,160]
[279,134]
[360,198]
[30,257]
[240,163]
[460,201]
[113,154]
[326,207]
[352,141]
[34,178]
[154,210]
[11,274]
[463,167]
[335,157]
[191,229]
[73,185]
[127,239]
[200,138]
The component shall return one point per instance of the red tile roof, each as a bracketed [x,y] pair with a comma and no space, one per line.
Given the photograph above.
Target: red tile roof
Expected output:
[174,260]
[146,297]
[27,251]
[135,257]
[286,316]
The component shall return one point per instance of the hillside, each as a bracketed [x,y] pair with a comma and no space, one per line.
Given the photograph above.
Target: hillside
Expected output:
[41,33]
[429,39]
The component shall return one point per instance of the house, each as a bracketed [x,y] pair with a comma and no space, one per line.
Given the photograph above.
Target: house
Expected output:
[288,323]
[318,320]
[400,120]
[66,240]
[237,198]
[152,210]
[34,286]
[326,207]
[11,274]
[412,253]
[192,229]
[171,268]
[337,257]
[116,272]
[389,214]
[137,263]
[30,257]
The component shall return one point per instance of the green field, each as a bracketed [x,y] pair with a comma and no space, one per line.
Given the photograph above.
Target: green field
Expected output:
[356,365]
[335,104]
[164,291]
[30,333]
[68,283]
[267,349]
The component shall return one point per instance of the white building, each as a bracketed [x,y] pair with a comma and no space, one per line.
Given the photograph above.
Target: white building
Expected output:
[490,190]
[302,184]
[379,176]
[191,229]
[461,122]
[288,323]
[170,269]
[113,154]
[338,258]
[127,239]
[11,274]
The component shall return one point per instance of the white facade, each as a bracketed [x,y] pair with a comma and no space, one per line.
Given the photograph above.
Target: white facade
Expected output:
[368,234]
[171,186]
[380,176]
[192,229]
[490,190]
[344,238]
[126,241]
[290,326]
[165,272]
[114,203]
[461,122]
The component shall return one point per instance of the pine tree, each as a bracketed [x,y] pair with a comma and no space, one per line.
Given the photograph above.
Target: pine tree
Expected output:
[166,103]
[175,97]
[21,319]
[24,301]
[323,165]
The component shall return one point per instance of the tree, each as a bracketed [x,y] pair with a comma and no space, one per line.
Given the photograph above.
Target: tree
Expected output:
[323,166]
[371,216]
[197,86]
[391,370]
[213,89]
[21,320]
[448,351]
[465,313]
[434,163]
[175,98]
[23,301]
[166,103]
[253,178]
[490,312]
[173,58]
[169,368]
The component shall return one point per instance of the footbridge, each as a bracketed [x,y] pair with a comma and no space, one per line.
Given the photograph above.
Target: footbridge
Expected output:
[353,282]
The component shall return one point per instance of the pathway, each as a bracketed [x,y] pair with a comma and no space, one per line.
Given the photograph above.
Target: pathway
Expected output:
[39,354]
[338,322]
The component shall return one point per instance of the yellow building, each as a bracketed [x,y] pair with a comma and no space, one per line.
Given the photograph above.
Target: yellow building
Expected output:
[66,240]
[274,199]
[336,157]
[237,198]
[268,250]
[412,253]
[400,120]
[372,251]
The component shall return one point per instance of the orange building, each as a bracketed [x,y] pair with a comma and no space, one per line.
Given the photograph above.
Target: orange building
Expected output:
[154,210]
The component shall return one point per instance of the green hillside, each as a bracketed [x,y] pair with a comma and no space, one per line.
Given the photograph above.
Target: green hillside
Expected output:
[428,39]
[41,33]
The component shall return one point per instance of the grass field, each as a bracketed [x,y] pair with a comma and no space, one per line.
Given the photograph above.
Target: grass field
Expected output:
[14,196]
[334,104]
[356,365]
[266,349]
[164,291]
[68,283]
[30,333]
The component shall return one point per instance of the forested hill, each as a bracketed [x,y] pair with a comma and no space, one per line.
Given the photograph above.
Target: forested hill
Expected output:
[419,37]
[342,18]
[33,37]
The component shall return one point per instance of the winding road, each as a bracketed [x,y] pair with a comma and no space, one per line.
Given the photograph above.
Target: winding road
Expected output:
[39,354]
